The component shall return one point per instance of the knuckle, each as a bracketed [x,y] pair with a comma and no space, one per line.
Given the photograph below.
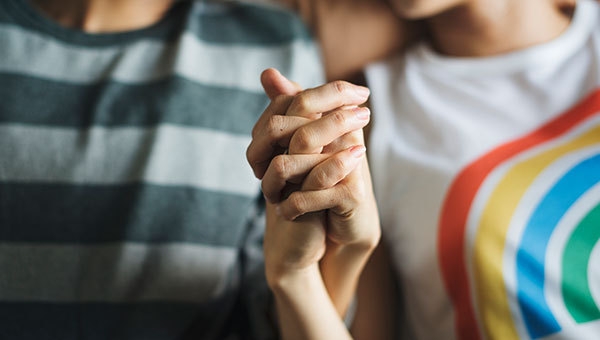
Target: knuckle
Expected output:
[355,138]
[340,86]
[330,175]
[280,166]
[339,117]
[302,140]
[338,164]
[321,180]
[301,103]
[249,154]
[274,126]
[297,203]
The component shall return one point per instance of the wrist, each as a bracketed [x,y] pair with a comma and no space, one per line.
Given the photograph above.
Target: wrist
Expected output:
[281,282]
[341,268]
[358,251]
[365,243]
[359,230]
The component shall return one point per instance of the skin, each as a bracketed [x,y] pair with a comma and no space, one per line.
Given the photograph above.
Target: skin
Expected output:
[314,261]
[479,28]
[469,28]
[328,262]
[105,16]
[339,182]
[354,33]
[371,30]
[314,257]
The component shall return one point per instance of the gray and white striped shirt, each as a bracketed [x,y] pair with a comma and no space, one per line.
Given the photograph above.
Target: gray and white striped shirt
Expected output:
[127,209]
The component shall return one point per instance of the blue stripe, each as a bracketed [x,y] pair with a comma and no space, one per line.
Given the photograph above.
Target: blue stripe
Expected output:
[174,100]
[532,250]
[88,214]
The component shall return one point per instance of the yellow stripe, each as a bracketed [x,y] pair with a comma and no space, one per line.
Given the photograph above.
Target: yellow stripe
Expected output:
[489,245]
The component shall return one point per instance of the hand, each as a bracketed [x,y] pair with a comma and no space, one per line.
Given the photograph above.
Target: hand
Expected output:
[315,125]
[289,112]
[294,245]
[330,178]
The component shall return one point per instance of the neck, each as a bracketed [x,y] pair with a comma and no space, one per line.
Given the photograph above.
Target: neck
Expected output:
[480,28]
[104,16]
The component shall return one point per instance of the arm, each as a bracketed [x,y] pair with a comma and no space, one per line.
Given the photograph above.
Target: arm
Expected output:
[304,308]
[343,264]
[341,267]
[377,296]
[354,33]
[296,240]
[306,312]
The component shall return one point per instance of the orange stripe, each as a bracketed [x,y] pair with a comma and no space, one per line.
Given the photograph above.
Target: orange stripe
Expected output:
[458,201]
[493,227]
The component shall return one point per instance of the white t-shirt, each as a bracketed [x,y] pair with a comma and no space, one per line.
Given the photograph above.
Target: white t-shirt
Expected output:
[487,174]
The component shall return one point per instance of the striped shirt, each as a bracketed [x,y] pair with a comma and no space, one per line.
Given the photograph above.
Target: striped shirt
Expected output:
[127,209]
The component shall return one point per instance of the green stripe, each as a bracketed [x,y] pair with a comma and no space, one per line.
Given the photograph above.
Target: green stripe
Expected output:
[56,213]
[575,282]
[224,23]
[174,100]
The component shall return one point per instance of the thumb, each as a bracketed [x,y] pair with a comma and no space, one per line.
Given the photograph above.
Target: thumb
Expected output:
[275,84]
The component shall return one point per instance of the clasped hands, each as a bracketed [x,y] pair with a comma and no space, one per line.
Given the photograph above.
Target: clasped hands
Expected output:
[308,149]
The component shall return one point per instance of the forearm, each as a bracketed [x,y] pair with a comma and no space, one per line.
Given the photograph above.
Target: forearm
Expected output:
[342,265]
[334,202]
[376,317]
[341,268]
[304,308]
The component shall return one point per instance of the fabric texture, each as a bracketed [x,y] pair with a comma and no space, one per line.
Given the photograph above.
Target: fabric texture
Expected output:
[487,171]
[127,208]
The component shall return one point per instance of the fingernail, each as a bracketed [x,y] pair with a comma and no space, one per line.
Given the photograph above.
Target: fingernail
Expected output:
[362,91]
[358,150]
[278,210]
[363,113]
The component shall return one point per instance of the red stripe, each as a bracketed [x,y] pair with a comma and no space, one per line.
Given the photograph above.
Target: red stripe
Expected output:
[452,227]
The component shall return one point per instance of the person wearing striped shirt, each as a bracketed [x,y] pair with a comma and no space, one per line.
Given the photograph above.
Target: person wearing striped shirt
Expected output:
[127,210]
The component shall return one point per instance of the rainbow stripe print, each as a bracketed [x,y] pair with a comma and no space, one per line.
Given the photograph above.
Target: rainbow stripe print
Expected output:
[519,234]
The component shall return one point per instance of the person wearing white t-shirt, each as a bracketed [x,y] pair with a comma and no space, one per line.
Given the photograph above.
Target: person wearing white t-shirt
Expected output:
[485,152]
